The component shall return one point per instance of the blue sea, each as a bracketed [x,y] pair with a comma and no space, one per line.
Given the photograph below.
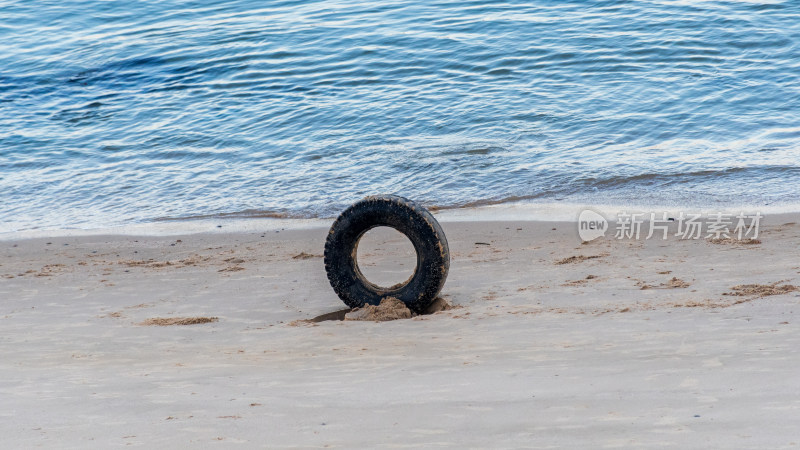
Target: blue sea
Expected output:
[119,112]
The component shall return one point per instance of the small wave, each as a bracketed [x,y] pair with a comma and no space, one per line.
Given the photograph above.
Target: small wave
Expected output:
[245,214]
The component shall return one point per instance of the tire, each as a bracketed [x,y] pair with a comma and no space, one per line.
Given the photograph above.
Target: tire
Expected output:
[405,216]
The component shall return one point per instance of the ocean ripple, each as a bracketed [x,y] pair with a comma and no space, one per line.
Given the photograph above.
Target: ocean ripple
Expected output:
[114,112]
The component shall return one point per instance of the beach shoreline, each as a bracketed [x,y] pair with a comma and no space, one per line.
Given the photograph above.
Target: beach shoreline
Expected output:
[508,212]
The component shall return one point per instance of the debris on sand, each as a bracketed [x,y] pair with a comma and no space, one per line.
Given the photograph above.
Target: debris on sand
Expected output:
[675,283]
[390,308]
[304,255]
[580,282]
[167,321]
[761,290]
[731,241]
[193,260]
[335,315]
[577,259]
[745,292]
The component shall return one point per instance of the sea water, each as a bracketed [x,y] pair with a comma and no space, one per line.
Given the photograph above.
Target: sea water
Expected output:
[123,112]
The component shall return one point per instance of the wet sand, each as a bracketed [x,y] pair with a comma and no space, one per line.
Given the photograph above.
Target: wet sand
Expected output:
[553,343]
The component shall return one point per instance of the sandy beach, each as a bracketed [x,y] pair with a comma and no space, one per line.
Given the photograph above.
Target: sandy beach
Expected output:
[551,344]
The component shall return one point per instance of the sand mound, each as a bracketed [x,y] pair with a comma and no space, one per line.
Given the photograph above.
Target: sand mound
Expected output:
[761,290]
[439,304]
[676,283]
[194,260]
[731,241]
[164,321]
[389,309]
[304,255]
[577,259]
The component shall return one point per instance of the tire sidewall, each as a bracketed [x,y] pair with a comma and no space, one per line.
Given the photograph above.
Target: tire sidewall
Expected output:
[405,216]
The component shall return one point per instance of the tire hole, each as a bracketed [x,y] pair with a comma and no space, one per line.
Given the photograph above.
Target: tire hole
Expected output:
[386,257]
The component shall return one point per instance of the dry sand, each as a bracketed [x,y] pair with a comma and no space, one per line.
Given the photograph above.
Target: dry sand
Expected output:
[552,343]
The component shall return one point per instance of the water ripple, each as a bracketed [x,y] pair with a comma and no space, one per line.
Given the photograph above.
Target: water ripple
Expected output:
[113,112]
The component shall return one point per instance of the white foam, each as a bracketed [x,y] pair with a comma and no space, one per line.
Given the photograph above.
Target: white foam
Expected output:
[520,211]
[568,212]
[178,227]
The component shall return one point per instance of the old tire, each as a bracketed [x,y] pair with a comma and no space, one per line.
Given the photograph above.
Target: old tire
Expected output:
[405,216]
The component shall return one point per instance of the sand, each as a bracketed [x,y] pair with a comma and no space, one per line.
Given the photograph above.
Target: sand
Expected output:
[390,308]
[551,343]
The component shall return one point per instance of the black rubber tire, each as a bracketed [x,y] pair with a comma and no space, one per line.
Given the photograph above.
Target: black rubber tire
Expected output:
[405,216]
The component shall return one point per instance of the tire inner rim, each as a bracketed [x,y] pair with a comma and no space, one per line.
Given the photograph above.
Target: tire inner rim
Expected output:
[407,241]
